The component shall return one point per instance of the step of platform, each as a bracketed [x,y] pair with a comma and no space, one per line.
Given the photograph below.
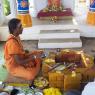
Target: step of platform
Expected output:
[60,43]
[59,34]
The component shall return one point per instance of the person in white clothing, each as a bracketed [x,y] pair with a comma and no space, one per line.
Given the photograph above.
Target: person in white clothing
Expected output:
[89,89]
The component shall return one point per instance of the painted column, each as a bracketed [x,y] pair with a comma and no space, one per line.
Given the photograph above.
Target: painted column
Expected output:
[92,5]
[91,13]
[23,12]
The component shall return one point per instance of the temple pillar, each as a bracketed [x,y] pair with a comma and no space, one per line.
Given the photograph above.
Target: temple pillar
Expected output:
[23,13]
[13,8]
[91,13]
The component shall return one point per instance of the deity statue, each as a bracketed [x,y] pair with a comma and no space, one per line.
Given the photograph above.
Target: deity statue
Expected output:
[54,5]
[54,11]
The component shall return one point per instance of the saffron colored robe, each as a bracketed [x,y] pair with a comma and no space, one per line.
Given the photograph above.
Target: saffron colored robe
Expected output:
[13,46]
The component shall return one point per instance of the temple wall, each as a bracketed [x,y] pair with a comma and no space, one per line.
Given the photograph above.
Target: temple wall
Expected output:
[68,4]
[40,4]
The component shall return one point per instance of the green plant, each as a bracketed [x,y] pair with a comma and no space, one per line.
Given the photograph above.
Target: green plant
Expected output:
[6,6]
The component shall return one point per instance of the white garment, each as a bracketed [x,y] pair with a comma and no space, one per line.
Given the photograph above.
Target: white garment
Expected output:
[4,93]
[20,94]
[89,89]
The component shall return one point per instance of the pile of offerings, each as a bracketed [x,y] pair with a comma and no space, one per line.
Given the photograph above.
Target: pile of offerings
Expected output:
[62,71]
[66,69]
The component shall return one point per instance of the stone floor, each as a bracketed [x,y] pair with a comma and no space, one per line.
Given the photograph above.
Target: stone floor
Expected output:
[88,45]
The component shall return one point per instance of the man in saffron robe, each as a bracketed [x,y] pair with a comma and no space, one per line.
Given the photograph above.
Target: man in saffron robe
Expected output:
[17,61]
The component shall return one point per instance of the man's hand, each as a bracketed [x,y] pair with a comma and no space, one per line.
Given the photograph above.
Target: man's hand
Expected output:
[29,65]
[26,51]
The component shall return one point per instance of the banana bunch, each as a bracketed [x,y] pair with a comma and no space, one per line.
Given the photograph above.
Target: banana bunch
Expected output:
[41,82]
[49,60]
[52,91]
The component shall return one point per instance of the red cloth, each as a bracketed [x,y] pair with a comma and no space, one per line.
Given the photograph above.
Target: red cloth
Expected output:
[66,12]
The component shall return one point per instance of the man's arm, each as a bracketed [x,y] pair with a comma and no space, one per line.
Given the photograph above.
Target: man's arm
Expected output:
[23,61]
